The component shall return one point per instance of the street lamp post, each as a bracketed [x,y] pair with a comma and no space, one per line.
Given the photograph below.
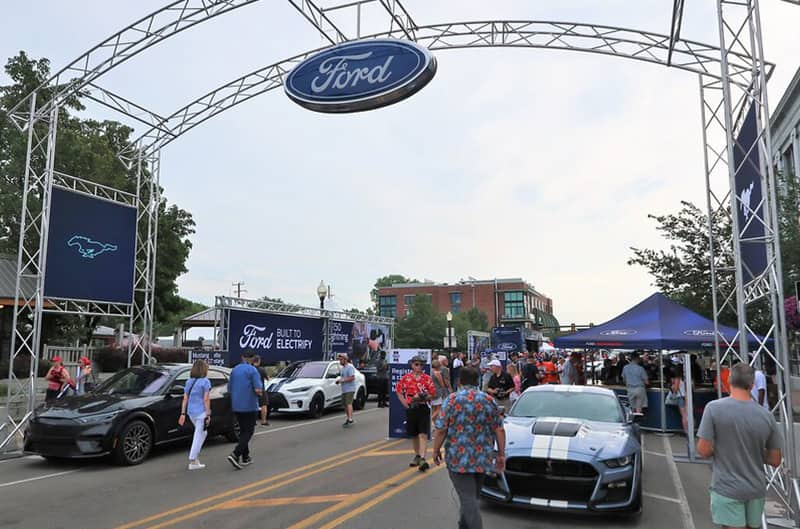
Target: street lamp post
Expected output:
[322,292]
[449,334]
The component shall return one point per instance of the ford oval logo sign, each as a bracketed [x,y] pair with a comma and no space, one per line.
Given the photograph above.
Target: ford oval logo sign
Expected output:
[360,75]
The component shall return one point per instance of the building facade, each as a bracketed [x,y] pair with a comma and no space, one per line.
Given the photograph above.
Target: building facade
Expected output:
[785,130]
[506,302]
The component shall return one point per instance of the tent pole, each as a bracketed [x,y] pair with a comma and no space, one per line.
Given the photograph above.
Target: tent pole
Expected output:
[687,379]
[662,396]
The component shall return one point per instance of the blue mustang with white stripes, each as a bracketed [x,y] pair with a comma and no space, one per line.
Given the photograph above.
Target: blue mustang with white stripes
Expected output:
[570,448]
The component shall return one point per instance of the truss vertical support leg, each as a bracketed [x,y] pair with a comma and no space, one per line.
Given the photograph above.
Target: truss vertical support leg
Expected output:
[745,90]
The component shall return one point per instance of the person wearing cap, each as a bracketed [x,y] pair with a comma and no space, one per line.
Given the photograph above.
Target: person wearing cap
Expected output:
[500,383]
[56,377]
[245,388]
[347,381]
[415,390]
[83,374]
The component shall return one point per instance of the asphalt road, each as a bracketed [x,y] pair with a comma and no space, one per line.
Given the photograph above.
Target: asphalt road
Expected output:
[306,475]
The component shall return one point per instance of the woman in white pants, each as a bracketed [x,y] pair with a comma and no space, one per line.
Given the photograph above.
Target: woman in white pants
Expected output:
[197,404]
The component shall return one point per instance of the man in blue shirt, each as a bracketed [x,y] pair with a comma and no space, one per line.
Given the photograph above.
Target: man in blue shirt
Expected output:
[244,387]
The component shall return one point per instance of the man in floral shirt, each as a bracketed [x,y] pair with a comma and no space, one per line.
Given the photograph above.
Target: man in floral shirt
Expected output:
[470,423]
[415,391]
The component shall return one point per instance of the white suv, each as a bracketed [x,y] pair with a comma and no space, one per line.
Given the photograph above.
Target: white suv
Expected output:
[310,387]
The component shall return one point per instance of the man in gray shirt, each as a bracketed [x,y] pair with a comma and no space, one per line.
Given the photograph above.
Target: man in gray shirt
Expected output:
[636,381]
[741,437]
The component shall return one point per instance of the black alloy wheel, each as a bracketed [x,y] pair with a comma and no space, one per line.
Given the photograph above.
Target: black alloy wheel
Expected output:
[134,443]
[316,406]
[360,400]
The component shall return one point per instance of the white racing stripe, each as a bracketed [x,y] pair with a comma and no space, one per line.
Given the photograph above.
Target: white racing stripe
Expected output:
[539,502]
[541,446]
[558,504]
[37,478]
[559,449]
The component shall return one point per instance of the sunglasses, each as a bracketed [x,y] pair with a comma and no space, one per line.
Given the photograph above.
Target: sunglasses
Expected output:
[416,364]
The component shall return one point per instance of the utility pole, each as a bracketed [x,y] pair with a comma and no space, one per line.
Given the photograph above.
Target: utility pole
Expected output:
[238,286]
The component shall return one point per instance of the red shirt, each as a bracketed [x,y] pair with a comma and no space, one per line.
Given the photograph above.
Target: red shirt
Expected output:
[410,386]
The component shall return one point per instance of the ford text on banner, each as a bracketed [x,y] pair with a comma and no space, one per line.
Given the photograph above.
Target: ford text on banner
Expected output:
[398,366]
[274,337]
[749,199]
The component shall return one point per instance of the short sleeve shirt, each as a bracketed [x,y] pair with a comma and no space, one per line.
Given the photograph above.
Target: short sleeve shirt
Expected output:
[242,386]
[741,431]
[469,418]
[348,371]
[759,384]
[196,388]
[410,386]
[635,376]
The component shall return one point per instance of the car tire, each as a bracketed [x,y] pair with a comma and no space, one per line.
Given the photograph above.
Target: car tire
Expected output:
[134,443]
[361,399]
[232,435]
[316,406]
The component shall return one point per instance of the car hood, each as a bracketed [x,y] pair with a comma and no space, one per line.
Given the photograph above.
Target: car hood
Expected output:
[282,384]
[74,407]
[591,439]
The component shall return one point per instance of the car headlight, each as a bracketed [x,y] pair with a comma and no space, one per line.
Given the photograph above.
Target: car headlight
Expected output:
[300,390]
[99,417]
[619,462]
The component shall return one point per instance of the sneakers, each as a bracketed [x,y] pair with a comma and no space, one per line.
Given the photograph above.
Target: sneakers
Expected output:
[196,465]
[347,423]
[415,462]
[423,465]
[233,459]
[247,461]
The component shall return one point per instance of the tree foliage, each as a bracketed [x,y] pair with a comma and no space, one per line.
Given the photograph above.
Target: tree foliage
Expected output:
[423,327]
[683,271]
[386,281]
[87,149]
[470,320]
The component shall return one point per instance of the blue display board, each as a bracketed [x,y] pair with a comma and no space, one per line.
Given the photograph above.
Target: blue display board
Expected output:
[274,337]
[748,192]
[398,366]
[508,339]
[91,248]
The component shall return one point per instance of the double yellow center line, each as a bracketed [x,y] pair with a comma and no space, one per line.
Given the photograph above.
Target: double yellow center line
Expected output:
[211,503]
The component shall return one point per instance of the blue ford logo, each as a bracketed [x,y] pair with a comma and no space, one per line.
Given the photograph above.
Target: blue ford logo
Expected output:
[360,75]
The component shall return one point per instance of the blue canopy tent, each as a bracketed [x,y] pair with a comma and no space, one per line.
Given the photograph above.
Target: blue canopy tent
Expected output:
[655,323]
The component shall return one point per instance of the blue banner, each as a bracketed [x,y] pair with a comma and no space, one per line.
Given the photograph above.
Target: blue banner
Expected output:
[91,248]
[398,366]
[340,336]
[747,161]
[507,340]
[274,337]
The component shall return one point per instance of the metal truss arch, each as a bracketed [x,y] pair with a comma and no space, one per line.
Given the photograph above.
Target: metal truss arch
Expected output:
[691,56]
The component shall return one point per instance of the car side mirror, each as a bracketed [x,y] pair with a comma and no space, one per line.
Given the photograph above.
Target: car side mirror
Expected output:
[332,375]
[176,391]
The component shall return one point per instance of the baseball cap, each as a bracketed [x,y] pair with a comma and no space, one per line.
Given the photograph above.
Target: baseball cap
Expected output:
[341,354]
[85,361]
[55,359]
[495,363]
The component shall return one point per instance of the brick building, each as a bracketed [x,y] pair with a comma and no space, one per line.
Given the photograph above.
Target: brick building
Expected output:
[507,302]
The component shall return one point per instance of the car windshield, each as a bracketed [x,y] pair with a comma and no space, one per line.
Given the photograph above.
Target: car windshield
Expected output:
[574,405]
[134,381]
[305,370]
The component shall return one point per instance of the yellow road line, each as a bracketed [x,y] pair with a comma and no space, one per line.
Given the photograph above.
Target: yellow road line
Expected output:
[407,452]
[294,500]
[188,506]
[354,498]
[378,499]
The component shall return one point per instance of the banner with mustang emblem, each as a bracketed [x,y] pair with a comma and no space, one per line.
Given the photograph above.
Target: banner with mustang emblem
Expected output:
[90,248]
[398,366]
[274,337]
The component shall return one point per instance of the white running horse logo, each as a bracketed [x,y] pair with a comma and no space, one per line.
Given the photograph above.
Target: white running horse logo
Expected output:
[744,201]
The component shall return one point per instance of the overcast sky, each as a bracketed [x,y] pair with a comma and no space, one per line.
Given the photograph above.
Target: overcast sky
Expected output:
[527,163]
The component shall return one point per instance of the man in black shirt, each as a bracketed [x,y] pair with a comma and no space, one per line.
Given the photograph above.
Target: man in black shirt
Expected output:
[500,383]
[529,374]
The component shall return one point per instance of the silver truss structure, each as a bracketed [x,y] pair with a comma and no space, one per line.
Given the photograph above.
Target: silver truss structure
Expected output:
[732,80]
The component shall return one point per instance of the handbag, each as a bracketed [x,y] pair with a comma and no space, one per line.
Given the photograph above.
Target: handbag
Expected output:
[671,399]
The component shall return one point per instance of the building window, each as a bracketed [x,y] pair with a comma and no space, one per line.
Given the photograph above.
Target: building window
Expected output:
[408,299]
[455,302]
[387,306]
[514,305]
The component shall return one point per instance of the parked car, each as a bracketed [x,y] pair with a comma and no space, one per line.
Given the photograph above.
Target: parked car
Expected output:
[310,387]
[126,416]
[570,448]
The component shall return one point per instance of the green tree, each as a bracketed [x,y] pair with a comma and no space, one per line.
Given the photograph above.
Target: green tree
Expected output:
[423,327]
[470,320]
[85,148]
[386,281]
